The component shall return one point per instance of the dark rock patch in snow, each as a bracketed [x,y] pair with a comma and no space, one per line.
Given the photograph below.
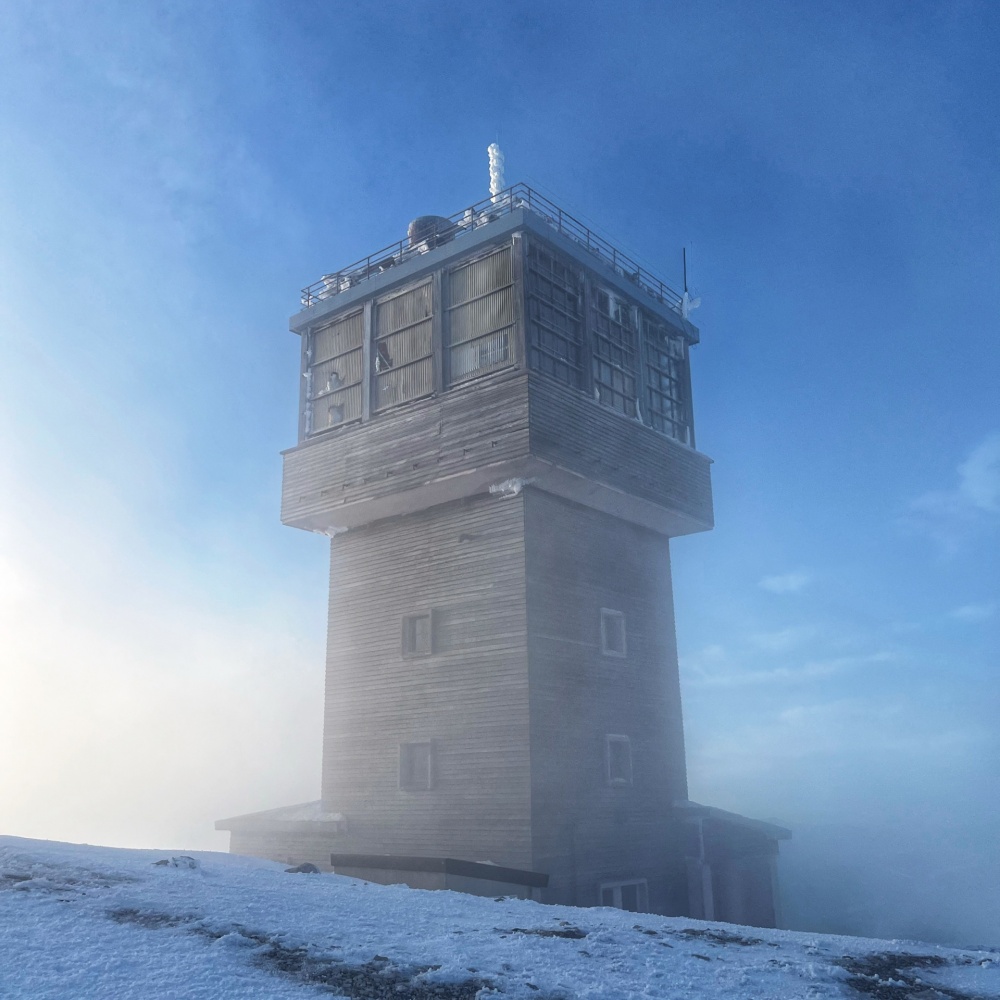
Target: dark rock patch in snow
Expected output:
[40,878]
[376,979]
[180,861]
[149,919]
[718,936]
[572,933]
[886,976]
[9,879]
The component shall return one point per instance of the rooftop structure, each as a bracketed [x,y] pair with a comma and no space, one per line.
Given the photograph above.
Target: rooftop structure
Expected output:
[443,229]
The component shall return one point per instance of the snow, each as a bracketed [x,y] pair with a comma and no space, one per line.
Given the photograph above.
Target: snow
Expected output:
[90,922]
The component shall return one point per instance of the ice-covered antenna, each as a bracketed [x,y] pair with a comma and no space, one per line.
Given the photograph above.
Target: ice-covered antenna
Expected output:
[688,305]
[497,183]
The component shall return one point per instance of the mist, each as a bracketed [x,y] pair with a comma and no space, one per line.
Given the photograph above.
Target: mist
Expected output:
[169,182]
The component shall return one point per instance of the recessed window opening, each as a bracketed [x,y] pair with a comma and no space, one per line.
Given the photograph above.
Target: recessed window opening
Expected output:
[619,760]
[416,766]
[613,633]
[418,635]
[632,895]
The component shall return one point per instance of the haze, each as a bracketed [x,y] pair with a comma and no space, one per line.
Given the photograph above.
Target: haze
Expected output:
[170,176]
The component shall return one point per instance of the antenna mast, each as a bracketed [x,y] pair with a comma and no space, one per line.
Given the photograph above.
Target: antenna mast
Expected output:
[497,181]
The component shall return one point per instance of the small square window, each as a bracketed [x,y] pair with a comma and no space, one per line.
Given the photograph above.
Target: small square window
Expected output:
[416,767]
[612,632]
[619,760]
[418,635]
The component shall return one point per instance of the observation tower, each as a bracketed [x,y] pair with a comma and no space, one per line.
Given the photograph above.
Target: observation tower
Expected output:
[496,432]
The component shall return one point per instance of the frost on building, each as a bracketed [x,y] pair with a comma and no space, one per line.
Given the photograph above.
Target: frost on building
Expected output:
[496,432]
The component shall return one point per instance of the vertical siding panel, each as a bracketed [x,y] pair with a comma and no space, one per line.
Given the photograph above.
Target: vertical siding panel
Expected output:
[465,562]
[584,830]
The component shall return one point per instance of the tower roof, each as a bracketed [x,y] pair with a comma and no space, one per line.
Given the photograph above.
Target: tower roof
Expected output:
[430,232]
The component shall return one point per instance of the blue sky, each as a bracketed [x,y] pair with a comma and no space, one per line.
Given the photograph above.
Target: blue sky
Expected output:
[172,174]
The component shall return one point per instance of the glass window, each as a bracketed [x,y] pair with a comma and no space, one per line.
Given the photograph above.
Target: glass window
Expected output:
[555,316]
[481,315]
[666,404]
[615,351]
[334,373]
[403,354]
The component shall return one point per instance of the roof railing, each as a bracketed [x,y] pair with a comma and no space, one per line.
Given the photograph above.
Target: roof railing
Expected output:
[475,217]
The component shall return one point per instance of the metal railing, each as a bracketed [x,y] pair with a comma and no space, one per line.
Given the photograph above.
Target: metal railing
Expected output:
[475,217]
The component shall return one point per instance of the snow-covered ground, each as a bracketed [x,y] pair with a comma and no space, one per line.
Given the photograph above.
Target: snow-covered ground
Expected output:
[82,922]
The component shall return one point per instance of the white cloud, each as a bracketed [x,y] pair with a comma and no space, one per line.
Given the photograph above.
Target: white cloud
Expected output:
[949,517]
[979,476]
[784,583]
[975,612]
[783,639]
[707,669]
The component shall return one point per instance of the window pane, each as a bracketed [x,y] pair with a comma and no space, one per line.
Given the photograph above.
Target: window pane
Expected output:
[615,351]
[666,406]
[403,349]
[334,373]
[555,316]
[481,315]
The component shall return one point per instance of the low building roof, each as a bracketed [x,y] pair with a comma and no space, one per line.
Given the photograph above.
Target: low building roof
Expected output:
[310,815]
[695,810]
